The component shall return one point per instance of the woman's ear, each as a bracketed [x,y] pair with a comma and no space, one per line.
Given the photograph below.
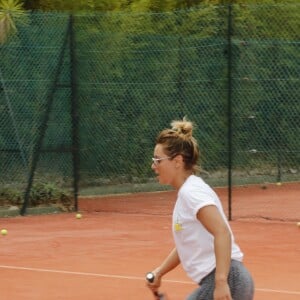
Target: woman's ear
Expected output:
[178,160]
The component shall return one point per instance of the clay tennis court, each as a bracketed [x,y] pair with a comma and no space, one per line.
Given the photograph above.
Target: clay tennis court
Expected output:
[106,254]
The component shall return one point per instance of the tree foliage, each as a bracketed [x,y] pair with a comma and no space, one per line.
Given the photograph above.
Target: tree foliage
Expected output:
[11,13]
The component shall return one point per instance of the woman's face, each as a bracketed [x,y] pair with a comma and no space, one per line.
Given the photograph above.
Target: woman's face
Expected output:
[163,166]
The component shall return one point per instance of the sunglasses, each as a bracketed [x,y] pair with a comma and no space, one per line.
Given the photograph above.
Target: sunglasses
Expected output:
[156,161]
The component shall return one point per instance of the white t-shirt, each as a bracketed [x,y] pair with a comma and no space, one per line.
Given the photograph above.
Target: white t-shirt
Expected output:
[194,244]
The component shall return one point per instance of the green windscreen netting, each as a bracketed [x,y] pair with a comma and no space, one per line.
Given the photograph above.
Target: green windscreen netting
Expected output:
[83,96]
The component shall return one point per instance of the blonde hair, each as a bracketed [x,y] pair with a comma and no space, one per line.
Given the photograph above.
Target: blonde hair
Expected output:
[179,140]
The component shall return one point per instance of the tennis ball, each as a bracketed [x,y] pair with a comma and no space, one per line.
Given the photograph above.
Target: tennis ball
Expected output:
[78,216]
[4,232]
[278,183]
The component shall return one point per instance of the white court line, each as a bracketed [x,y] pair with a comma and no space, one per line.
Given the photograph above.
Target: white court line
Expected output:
[127,277]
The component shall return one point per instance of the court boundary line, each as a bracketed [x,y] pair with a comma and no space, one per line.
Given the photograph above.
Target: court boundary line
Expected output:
[126,277]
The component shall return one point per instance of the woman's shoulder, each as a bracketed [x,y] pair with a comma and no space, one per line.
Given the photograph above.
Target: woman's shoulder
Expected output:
[195,184]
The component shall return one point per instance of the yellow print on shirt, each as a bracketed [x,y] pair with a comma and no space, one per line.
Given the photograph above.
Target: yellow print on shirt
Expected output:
[178,226]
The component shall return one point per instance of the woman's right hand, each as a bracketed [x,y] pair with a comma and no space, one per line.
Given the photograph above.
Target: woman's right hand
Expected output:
[154,284]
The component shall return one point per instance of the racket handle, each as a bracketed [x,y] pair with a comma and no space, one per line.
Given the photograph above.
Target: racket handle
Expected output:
[150,277]
[159,296]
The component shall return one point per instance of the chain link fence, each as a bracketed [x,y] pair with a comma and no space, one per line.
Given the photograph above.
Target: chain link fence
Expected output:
[83,96]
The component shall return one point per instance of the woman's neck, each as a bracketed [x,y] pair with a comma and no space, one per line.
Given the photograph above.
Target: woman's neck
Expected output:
[180,180]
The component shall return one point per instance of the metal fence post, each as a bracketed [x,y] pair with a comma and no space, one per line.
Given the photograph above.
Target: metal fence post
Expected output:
[74,113]
[229,109]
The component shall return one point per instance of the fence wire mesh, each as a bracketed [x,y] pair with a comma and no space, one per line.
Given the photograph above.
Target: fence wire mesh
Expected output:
[91,91]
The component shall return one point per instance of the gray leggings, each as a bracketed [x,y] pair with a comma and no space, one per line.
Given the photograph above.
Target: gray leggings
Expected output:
[240,283]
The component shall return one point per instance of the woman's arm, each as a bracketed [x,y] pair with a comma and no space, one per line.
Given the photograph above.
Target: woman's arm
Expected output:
[212,220]
[171,262]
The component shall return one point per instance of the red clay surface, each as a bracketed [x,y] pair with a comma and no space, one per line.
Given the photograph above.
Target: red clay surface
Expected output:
[106,254]
[269,202]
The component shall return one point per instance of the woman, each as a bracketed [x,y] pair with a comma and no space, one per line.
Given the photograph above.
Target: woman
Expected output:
[204,242]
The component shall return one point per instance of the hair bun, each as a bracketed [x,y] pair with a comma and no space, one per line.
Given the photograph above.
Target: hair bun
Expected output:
[183,127]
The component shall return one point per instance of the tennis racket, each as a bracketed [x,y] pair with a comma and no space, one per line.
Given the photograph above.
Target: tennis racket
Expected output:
[157,295]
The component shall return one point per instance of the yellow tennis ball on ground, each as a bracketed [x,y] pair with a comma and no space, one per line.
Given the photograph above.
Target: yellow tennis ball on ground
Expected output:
[78,216]
[278,183]
[4,232]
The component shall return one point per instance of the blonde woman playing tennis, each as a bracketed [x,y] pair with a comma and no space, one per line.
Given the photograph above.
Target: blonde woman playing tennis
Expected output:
[204,241]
